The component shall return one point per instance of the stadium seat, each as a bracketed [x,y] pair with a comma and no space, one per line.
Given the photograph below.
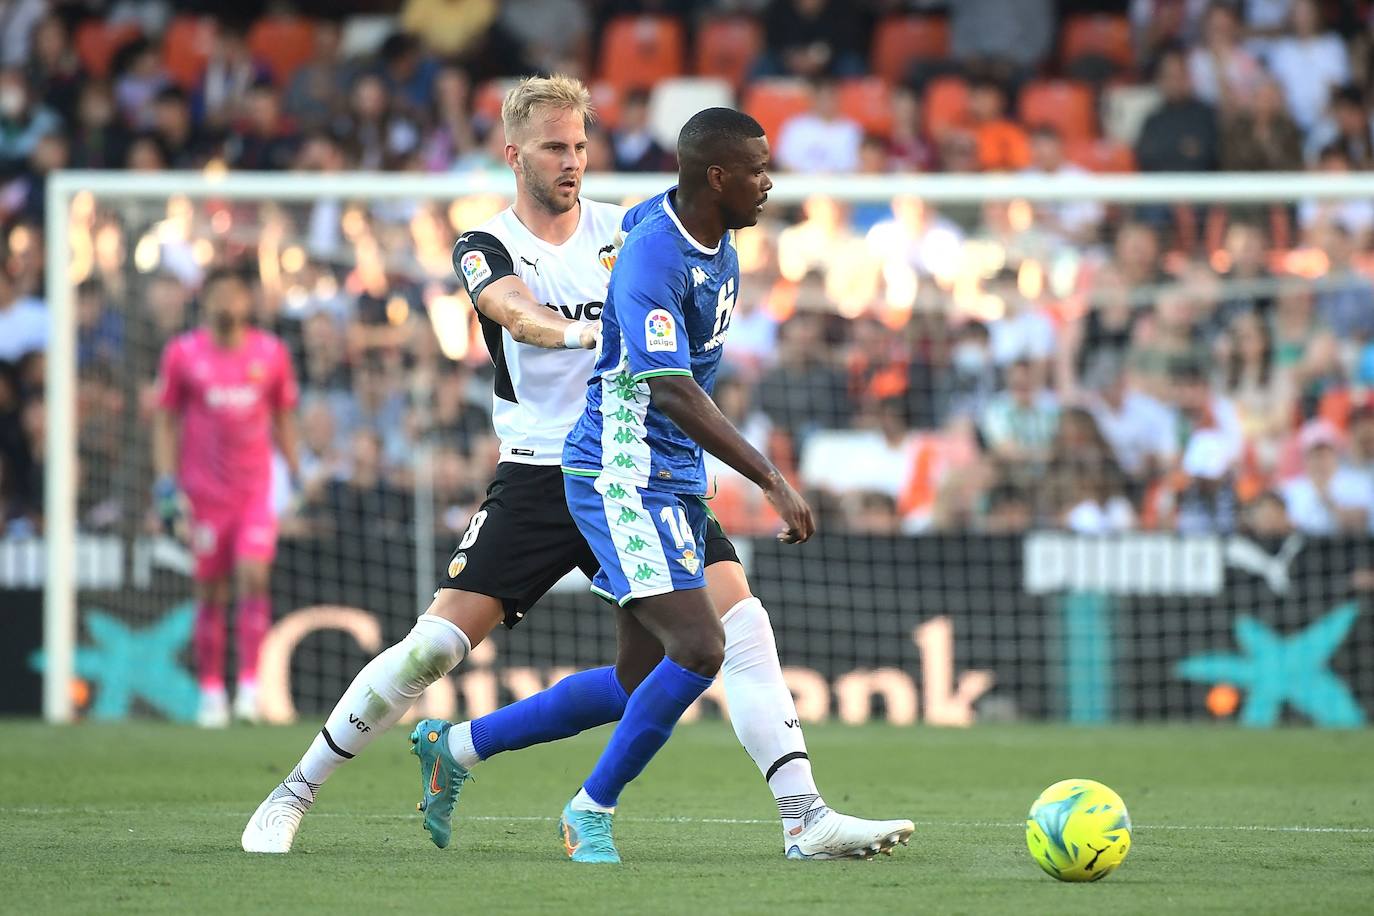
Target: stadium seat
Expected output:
[487,99]
[946,104]
[1098,35]
[1066,105]
[899,40]
[673,101]
[771,102]
[868,101]
[186,48]
[1101,155]
[638,51]
[283,43]
[97,42]
[726,48]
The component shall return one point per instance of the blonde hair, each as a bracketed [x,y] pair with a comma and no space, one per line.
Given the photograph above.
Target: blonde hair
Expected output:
[557,91]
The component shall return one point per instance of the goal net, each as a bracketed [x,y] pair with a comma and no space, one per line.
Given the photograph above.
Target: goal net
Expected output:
[1084,449]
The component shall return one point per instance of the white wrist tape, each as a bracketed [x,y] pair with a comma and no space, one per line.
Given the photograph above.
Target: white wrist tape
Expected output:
[572,335]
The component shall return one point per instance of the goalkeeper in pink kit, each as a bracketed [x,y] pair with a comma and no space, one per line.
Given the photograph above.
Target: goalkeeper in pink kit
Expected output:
[226,393]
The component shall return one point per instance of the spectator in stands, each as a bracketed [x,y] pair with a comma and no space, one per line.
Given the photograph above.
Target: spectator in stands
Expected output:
[1002,143]
[1206,502]
[24,197]
[1309,62]
[1223,73]
[383,134]
[457,420]
[174,125]
[810,39]
[1139,428]
[1361,455]
[1345,297]
[1075,222]
[823,139]
[23,120]
[1168,336]
[139,77]
[54,71]
[873,514]
[451,130]
[909,146]
[918,236]
[1201,408]
[97,139]
[1019,423]
[1084,479]
[805,390]
[970,381]
[1348,126]
[1009,510]
[1103,331]
[99,327]
[449,28]
[1261,136]
[1320,372]
[1266,517]
[1247,285]
[1294,322]
[408,72]
[364,493]
[1263,396]
[554,35]
[1022,332]
[147,153]
[1181,134]
[264,139]
[1327,499]
[230,72]
[633,143]
[23,321]
[1008,39]
[19,18]
[313,93]
[1354,215]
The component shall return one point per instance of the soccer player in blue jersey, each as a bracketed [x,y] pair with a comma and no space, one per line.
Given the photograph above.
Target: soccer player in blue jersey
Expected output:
[634,475]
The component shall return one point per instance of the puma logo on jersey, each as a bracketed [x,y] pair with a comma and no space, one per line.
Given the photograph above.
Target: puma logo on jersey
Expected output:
[582,311]
[534,263]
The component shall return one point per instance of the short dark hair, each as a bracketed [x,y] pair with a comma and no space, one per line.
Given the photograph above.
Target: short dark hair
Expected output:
[713,136]
[1349,94]
[222,272]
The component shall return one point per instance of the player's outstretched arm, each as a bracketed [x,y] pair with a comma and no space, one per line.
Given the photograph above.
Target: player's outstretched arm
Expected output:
[509,302]
[684,402]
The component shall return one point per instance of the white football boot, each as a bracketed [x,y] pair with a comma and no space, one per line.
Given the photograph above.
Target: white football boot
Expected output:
[838,836]
[272,828]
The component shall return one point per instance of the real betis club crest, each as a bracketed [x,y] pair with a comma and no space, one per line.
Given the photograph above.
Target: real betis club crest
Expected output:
[689,562]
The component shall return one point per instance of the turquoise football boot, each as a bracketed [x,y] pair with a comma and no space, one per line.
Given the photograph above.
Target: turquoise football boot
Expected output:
[587,836]
[441,778]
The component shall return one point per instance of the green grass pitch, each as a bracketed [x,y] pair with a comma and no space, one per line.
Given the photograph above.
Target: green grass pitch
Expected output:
[145,818]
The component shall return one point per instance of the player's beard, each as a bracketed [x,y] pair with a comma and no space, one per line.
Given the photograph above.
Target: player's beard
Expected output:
[545,193]
[224,323]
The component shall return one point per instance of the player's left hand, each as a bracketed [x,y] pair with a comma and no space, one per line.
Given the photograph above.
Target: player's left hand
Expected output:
[796,514]
[172,508]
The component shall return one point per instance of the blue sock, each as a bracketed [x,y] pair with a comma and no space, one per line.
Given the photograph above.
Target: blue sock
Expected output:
[648,720]
[578,702]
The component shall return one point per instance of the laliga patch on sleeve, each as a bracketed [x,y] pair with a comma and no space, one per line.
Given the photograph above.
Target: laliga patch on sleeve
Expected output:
[474,267]
[660,331]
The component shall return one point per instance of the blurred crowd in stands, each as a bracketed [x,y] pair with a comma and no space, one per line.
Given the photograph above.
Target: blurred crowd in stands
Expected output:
[986,368]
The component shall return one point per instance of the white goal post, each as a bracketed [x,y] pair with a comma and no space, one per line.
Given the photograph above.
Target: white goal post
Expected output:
[60,498]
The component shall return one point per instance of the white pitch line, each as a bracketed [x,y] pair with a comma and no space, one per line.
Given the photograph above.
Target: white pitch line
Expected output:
[991,825]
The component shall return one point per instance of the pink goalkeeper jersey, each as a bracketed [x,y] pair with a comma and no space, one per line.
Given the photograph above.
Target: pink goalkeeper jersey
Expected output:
[226,400]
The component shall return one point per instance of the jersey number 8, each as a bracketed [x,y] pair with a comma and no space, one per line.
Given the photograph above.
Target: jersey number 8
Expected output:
[474,529]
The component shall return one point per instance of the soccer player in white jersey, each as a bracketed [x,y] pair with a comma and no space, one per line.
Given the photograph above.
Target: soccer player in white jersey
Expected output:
[537,273]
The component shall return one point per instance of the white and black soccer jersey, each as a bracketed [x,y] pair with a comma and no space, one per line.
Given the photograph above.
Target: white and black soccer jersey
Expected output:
[540,393]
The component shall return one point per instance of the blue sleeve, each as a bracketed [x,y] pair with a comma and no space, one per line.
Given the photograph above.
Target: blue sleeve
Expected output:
[647,289]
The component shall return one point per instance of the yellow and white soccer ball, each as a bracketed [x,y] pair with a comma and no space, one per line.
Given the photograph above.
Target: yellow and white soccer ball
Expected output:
[1078,830]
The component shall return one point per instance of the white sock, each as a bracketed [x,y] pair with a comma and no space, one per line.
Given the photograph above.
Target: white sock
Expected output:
[378,697]
[583,802]
[460,745]
[765,716]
